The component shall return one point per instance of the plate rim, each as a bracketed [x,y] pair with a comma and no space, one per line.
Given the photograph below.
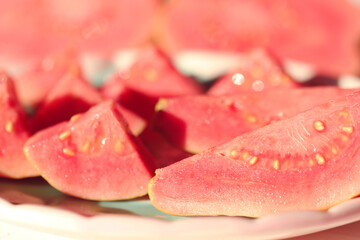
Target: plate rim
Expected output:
[111,225]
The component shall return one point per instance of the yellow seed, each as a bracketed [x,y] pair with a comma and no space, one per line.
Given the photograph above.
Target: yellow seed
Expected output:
[68,152]
[276,164]
[9,127]
[334,150]
[119,146]
[320,159]
[251,119]
[344,137]
[343,114]
[245,155]
[319,126]
[253,160]
[85,147]
[64,135]
[348,129]
[311,162]
[233,154]
[151,75]
[161,104]
[75,117]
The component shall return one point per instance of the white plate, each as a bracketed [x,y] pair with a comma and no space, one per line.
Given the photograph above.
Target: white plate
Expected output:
[31,209]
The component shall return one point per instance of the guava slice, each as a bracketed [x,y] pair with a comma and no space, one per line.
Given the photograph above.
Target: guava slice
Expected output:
[13,133]
[322,33]
[71,95]
[307,162]
[94,156]
[150,77]
[100,27]
[196,123]
[257,71]
[163,152]
[36,81]
[226,26]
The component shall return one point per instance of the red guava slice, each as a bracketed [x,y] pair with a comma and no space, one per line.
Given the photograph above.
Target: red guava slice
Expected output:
[225,26]
[94,156]
[99,26]
[33,84]
[322,33]
[196,123]
[13,133]
[150,77]
[24,37]
[163,152]
[71,95]
[96,26]
[307,162]
[257,71]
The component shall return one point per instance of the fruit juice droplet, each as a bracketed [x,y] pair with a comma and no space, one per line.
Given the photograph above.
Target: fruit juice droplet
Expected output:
[238,79]
[258,86]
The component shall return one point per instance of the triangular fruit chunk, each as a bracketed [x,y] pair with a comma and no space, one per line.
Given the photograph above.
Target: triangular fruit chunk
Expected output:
[163,152]
[150,77]
[256,71]
[34,83]
[196,123]
[324,34]
[13,133]
[307,162]
[71,95]
[228,26]
[93,156]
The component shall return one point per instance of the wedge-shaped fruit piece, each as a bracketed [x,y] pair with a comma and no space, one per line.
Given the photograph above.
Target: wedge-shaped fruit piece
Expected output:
[151,76]
[100,26]
[306,162]
[216,26]
[91,26]
[163,152]
[196,123]
[93,157]
[35,82]
[71,95]
[13,133]
[257,71]
[324,34]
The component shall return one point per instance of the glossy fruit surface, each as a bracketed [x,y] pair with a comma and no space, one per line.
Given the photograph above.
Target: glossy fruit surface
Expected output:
[36,81]
[90,27]
[196,123]
[306,162]
[323,33]
[13,133]
[257,71]
[150,77]
[320,33]
[94,156]
[71,95]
